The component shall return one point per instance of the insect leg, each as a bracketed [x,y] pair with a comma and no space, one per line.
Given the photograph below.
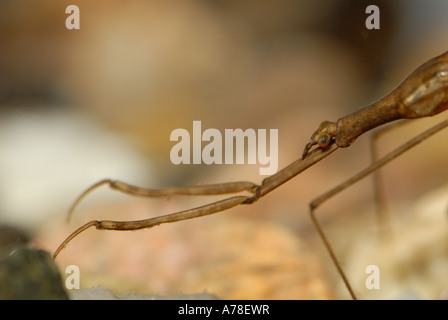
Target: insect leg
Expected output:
[373,167]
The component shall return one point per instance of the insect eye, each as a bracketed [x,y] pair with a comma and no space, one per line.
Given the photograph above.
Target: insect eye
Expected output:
[323,140]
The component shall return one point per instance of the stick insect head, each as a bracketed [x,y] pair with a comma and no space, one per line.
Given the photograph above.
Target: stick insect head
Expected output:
[323,137]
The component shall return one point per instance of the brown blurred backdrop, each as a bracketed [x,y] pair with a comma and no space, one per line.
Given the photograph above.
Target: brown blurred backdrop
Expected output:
[80,105]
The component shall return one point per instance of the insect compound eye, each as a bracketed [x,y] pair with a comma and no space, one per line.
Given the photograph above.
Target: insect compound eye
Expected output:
[323,140]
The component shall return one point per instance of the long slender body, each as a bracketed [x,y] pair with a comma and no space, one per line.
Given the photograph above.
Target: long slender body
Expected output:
[423,94]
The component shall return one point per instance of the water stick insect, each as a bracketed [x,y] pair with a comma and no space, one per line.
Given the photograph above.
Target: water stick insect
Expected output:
[423,93]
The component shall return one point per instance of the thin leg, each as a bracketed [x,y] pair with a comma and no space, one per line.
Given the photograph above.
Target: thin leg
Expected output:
[258,191]
[331,252]
[375,166]
[210,189]
[268,184]
[149,223]
[379,195]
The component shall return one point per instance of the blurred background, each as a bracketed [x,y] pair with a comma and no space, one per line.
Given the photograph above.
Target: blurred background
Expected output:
[77,106]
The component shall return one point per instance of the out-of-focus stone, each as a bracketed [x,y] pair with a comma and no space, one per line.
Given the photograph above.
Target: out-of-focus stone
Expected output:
[30,274]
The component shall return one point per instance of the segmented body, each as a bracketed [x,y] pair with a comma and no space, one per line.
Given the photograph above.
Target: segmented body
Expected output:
[423,94]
